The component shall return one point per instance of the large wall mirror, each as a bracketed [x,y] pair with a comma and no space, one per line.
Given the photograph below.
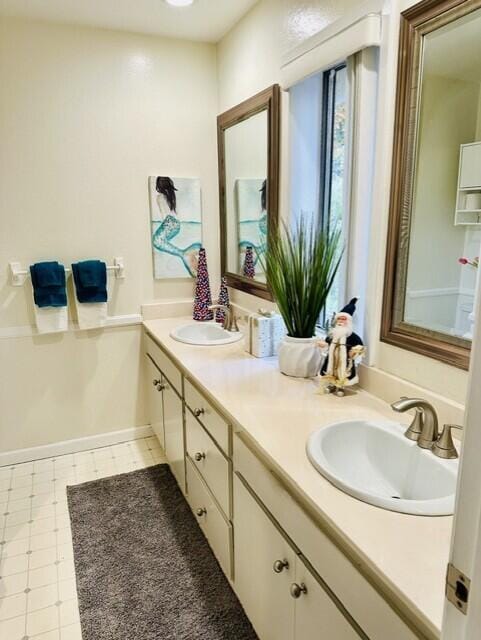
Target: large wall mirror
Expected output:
[435,219]
[248,142]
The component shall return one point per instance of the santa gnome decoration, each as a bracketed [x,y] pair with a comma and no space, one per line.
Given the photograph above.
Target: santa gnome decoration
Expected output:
[343,347]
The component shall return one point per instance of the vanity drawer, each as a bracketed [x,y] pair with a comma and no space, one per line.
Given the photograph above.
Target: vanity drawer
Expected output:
[212,420]
[215,527]
[206,456]
[363,602]
[164,363]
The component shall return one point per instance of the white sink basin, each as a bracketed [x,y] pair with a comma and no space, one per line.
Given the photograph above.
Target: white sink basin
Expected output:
[204,333]
[374,462]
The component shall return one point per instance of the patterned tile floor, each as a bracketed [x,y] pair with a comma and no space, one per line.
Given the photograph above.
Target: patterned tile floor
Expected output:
[38,597]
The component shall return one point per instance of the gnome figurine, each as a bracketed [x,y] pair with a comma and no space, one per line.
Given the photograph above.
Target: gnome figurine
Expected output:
[342,347]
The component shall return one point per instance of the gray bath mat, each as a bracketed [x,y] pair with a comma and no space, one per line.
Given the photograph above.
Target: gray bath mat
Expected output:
[144,569]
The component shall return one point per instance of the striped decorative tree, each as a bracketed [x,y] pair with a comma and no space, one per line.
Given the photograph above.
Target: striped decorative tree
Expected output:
[202,298]
[223,299]
[249,269]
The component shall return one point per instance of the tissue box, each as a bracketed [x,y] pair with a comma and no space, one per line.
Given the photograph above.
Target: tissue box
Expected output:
[264,333]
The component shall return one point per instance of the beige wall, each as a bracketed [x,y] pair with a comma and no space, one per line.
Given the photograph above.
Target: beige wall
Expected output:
[86,115]
[243,70]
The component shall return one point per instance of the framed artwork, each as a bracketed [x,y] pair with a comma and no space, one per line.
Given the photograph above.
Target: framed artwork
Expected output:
[176,225]
[250,199]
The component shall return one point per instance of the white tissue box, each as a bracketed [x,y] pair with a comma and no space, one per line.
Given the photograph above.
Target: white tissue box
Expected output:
[264,333]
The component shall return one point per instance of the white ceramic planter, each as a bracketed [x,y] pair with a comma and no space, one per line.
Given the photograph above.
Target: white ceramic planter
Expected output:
[300,357]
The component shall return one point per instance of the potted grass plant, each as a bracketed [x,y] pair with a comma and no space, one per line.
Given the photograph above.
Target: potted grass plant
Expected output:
[301,264]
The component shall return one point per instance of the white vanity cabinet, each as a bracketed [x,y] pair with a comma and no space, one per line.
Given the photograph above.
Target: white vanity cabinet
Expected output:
[292,577]
[155,385]
[217,529]
[262,590]
[209,460]
[283,597]
[166,407]
[209,473]
[317,615]
[174,433]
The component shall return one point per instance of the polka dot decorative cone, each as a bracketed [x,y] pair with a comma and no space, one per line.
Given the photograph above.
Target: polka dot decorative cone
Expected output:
[223,299]
[249,270]
[202,298]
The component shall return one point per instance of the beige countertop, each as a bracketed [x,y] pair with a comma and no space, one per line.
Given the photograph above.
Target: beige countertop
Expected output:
[408,554]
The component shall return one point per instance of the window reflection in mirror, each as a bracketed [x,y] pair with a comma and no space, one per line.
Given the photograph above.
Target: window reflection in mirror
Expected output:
[246,158]
[445,227]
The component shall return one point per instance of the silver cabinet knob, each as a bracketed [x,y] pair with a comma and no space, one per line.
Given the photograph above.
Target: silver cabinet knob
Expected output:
[199,456]
[201,512]
[156,382]
[280,565]
[298,589]
[160,387]
[198,412]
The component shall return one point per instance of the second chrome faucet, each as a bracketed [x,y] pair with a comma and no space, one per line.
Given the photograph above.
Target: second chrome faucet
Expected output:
[424,427]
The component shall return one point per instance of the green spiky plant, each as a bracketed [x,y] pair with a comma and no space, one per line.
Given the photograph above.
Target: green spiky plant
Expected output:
[300,265]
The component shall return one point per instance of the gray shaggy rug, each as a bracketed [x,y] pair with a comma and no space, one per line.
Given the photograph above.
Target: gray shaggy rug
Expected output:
[144,569]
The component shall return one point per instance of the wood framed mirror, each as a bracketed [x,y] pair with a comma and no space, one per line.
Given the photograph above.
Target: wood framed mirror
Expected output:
[248,148]
[434,235]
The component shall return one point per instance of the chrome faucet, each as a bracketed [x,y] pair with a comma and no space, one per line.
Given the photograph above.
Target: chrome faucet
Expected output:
[230,321]
[424,427]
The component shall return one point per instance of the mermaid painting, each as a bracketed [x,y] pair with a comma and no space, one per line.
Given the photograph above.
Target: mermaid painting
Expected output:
[171,229]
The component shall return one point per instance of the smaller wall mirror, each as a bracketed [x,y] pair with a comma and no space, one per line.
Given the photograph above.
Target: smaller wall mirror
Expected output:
[248,143]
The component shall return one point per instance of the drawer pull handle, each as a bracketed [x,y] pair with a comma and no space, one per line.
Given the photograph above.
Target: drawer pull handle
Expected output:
[298,589]
[198,412]
[201,512]
[199,456]
[156,382]
[161,386]
[280,565]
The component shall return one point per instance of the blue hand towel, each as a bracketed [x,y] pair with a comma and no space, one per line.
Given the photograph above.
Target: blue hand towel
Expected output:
[48,282]
[90,279]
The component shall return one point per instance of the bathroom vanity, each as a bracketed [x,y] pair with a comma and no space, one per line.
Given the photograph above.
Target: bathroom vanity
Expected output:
[305,559]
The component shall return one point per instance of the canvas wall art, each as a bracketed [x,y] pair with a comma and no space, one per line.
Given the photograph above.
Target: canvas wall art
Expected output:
[251,220]
[176,225]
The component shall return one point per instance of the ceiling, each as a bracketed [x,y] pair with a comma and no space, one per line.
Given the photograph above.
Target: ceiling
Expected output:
[205,20]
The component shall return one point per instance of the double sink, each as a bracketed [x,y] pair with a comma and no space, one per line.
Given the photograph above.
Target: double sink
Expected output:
[371,461]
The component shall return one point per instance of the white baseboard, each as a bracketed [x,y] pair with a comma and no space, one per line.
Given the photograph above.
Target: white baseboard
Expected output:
[73,446]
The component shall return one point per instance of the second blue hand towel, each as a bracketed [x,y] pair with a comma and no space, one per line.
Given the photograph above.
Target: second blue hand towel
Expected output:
[90,277]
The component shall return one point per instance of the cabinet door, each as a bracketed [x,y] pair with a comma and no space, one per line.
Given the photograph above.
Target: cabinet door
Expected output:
[216,528]
[470,173]
[209,461]
[154,400]
[174,433]
[317,616]
[263,592]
